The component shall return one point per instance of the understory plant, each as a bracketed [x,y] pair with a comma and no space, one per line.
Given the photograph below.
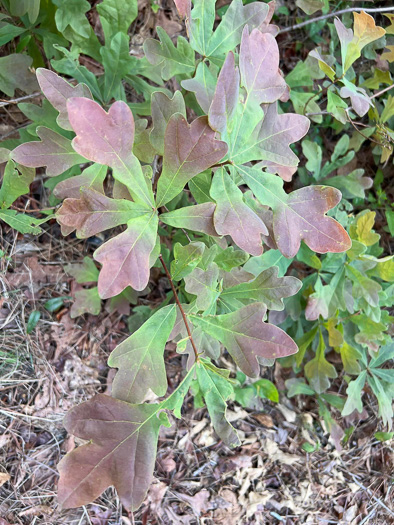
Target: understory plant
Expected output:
[197,189]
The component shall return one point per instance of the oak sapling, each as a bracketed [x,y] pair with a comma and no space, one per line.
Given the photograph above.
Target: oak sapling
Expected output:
[217,181]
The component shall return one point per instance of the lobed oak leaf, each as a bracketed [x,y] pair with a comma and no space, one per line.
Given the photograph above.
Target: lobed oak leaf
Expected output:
[299,215]
[107,138]
[246,337]
[270,142]
[203,84]
[169,59]
[93,213]
[233,217]
[58,91]
[53,151]
[228,33]
[163,108]
[91,178]
[126,257]
[216,389]
[121,452]
[197,218]
[203,284]
[189,150]
[140,360]
[86,301]
[266,288]
[259,66]
[226,95]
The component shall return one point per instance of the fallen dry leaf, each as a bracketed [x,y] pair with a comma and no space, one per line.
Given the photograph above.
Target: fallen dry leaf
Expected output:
[4,477]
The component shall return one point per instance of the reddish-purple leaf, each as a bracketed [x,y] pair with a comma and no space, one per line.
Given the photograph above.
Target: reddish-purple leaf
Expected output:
[107,138]
[54,151]
[93,213]
[121,451]
[198,218]
[226,95]
[92,177]
[259,66]
[246,337]
[58,91]
[266,27]
[189,150]
[183,7]
[299,215]
[126,257]
[233,217]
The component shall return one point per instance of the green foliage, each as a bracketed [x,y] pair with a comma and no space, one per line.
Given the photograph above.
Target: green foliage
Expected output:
[203,190]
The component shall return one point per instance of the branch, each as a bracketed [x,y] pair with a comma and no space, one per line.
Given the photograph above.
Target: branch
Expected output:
[330,15]
[20,99]
[382,91]
[180,307]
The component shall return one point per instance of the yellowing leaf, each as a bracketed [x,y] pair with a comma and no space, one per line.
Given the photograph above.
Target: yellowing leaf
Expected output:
[390,28]
[364,229]
[365,32]
[389,55]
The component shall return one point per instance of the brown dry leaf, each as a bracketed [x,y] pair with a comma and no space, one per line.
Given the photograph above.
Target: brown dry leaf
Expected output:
[32,273]
[199,503]
[256,500]
[228,509]
[275,454]
[4,477]
[38,510]
[264,419]
[156,494]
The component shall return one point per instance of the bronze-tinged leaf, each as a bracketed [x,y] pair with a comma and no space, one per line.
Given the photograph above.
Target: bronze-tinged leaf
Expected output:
[233,217]
[198,218]
[226,95]
[58,91]
[271,141]
[54,151]
[107,138]
[189,150]
[92,178]
[246,337]
[126,257]
[266,288]
[299,215]
[121,451]
[163,108]
[93,213]
[259,66]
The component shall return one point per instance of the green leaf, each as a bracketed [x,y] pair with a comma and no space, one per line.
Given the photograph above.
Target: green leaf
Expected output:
[230,258]
[203,284]
[384,436]
[216,390]
[363,287]
[163,108]
[9,32]
[116,16]
[319,370]
[85,272]
[297,386]
[140,358]
[72,13]
[53,305]
[14,184]
[390,220]
[86,301]
[266,390]
[186,259]
[170,60]
[314,154]
[350,357]
[354,390]
[310,6]
[34,317]
[15,73]
[203,84]
[20,222]
[117,64]
[384,400]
